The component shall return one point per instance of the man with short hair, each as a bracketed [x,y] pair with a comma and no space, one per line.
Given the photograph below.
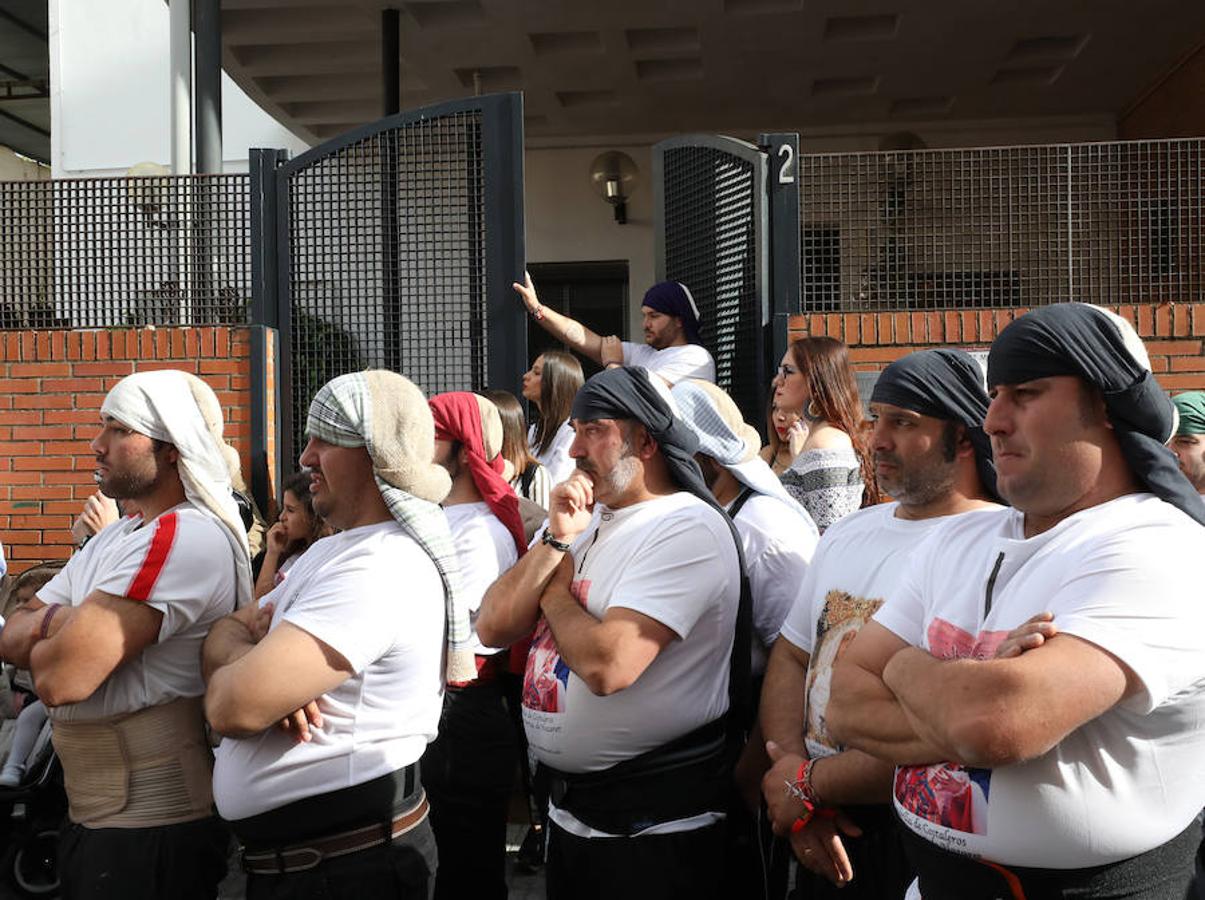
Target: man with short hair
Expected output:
[1189,442]
[635,586]
[469,768]
[932,457]
[113,642]
[345,655]
[1073,768]
[672,348]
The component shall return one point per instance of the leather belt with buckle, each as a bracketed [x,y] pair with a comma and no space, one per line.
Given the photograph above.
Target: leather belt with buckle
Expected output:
[300,857]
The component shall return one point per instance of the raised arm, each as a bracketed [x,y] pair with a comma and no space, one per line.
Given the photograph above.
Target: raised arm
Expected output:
[563,328]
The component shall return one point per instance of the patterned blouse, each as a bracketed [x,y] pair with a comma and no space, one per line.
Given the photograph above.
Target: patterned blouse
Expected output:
[827,482]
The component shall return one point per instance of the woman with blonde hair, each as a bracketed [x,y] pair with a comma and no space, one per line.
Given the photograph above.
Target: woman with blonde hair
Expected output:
[833,474]
[550,385]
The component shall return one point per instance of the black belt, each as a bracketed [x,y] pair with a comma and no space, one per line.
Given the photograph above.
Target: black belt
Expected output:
[685,777]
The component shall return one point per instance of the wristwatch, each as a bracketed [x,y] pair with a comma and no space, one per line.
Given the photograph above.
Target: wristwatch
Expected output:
[553,542]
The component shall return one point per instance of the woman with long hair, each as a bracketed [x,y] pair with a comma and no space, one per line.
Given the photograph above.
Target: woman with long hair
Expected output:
[531,479]
[296,528]
[777,452]
[833,474]
[550,385]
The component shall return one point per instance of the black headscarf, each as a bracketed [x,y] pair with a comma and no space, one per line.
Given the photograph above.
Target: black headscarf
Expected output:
[627,393]
[945,384]
[1085,341]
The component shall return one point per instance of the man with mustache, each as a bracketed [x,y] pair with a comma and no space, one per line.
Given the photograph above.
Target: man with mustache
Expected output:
[634,591]
[672,347]
[114,644]
[1073,768]
[932,457]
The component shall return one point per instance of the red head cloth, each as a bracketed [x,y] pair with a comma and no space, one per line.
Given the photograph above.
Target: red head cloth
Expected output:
[458,418]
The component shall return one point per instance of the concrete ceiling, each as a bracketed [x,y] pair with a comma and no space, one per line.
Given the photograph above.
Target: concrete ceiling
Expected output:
[736,66]
[25,78]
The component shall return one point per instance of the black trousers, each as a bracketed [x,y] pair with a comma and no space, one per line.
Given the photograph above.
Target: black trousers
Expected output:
[469,771]
[402,870]
[687,864]
[180,861]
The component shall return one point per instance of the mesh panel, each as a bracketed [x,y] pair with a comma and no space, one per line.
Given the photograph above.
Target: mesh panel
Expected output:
[102,252]
[710,221]
[1002,227]
[387,258]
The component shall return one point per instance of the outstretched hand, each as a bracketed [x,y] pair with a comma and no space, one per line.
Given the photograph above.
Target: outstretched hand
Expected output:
[527,293]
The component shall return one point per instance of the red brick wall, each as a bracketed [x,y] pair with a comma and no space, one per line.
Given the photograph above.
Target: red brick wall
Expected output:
[1173,333]
[51,387]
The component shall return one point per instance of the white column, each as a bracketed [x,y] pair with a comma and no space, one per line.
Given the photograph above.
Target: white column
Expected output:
[180,42]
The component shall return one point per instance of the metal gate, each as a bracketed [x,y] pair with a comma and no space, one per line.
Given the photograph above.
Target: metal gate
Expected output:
[714,205]
[395,247]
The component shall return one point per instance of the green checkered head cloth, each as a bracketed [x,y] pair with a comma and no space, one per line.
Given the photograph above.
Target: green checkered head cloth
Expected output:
[388,415]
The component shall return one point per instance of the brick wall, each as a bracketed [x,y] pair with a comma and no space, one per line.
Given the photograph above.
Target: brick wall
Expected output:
[51,387]
[1173,333]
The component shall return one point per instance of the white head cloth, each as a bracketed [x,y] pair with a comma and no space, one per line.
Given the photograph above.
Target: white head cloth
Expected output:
[177,407]
[724,436]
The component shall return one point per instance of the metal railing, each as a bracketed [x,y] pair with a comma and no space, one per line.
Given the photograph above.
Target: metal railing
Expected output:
[1120,222]
[133,251]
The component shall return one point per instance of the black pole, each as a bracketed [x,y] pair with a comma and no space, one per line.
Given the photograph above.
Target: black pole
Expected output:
[391,62]
[208,81]
[782,148]
[391,299]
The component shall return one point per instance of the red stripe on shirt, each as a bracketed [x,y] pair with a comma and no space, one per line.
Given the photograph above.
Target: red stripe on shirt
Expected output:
[156,556]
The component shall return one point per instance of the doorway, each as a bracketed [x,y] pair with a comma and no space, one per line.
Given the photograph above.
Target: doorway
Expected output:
[593,293]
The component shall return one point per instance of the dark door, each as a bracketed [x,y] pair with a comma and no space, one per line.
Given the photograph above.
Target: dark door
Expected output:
[593,293]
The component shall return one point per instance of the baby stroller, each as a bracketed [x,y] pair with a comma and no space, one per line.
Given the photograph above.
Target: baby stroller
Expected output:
[30,816]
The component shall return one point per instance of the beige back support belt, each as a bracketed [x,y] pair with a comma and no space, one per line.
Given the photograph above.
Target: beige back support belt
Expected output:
[138,770]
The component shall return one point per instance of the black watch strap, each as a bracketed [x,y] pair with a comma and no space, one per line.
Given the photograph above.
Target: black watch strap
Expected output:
[553,542]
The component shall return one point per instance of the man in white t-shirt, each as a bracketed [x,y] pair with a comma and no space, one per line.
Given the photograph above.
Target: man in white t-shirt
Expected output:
[1039,674]
[469,769]
[113,642]
[931,456]
[327,694]
[672,348]
[635,587]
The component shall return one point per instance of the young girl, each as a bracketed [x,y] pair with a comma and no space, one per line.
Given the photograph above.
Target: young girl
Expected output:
[550,385]
[296,528]
[531,479]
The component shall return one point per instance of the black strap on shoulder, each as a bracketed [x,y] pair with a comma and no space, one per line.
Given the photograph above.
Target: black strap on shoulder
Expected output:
[741,703]
[526,478]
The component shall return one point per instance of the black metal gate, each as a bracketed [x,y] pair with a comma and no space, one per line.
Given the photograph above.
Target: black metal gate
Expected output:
[716,208]
[395,247]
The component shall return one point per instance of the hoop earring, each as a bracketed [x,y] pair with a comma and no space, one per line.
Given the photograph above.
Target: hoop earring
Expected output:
[812,411]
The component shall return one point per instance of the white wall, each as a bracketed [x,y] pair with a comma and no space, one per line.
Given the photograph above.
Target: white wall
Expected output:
[109,92]
[568,222]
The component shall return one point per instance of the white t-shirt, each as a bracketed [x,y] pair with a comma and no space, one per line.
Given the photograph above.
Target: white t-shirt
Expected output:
[672,559]
[673,363]
[485,550]
[373,595]
[1120,575]
[859,561]
[556,458]
[181,564]
[778,546]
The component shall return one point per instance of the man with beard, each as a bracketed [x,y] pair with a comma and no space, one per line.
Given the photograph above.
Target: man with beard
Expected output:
[114,642]
[672,347]
[1072,769]
[345,654]
[932,457]
[1189,442]
[635,587]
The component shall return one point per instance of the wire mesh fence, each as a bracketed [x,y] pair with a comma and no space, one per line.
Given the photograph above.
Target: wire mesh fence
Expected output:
[387,259]
[107,252]
[1003,227]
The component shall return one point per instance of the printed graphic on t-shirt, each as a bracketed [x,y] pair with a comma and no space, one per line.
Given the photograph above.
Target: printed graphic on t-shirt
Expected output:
[950,796]
[546,677]
[948,641]
[840,619]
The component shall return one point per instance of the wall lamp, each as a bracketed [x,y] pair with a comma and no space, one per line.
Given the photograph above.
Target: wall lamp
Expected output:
[614,177]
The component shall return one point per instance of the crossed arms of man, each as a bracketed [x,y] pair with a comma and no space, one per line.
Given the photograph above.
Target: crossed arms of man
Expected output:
[608,654]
